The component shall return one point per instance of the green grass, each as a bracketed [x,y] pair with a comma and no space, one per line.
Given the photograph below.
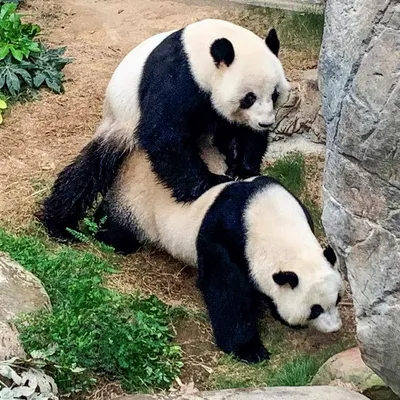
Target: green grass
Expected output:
[122,337]
[290,172]
[287,367]
[300,31]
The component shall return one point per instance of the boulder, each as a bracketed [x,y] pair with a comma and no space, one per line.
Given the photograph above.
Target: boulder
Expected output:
[348,369]
[20,292]
[360,86]
[270,393]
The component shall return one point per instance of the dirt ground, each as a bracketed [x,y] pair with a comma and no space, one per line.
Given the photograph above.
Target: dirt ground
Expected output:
[38,139]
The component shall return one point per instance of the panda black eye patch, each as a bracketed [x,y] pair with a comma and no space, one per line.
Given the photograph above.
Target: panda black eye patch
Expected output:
[248,100]
[275,96]
[316,311]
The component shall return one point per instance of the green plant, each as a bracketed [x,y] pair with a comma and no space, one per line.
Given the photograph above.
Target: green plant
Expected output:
[24,62]
[17,2]
[119,336]
[16,38]
[46,66]
[3,106]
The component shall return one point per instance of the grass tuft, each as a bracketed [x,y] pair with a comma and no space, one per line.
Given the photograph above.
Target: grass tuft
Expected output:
[127,338]
[297,30]
[290,172]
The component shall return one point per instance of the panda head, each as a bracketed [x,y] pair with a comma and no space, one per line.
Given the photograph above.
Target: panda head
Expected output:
[240,71]
[309,298]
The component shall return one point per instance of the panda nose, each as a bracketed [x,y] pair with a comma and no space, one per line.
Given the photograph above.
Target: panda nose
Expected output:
[264,125]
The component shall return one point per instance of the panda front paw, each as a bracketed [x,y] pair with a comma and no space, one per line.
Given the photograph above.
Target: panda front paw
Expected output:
[252,353]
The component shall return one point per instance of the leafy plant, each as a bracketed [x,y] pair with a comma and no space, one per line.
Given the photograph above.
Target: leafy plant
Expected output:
[46,66]
[17,2]
[3,106]
[41,69]
[16,38]
[24,62]
[89,228]
[122,337]
[27,379]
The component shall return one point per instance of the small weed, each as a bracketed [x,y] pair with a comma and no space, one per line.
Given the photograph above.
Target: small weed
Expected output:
[122,337]
[89,228]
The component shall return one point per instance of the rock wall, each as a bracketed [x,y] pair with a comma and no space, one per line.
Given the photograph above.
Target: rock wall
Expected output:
[359,80]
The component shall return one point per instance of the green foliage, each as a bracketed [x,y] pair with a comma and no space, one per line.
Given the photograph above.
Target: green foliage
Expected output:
[16,38]
[122,337]
[17,2]
[3,106]
[296,372]
[89,228]
[24,62]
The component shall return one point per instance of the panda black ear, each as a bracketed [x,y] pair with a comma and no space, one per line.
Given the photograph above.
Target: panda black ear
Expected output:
[222,52]
[286,277]
[272,41]
[330,255]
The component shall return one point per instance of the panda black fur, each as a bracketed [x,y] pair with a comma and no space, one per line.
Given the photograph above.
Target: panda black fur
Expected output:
[249,239]
[211,77]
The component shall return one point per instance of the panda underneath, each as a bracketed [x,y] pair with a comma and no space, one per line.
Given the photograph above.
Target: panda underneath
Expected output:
[210,78]
[251,241]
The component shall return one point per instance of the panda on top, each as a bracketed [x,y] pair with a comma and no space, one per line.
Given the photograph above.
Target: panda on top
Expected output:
[251,241]
[210,78]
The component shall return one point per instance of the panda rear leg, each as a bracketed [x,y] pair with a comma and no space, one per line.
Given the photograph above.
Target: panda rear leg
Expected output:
[232,304]
[116,230]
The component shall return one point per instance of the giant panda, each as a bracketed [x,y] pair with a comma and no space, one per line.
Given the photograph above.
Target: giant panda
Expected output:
[251,240]
[210,78]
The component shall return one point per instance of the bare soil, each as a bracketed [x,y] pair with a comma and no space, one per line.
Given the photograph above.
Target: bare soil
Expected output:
[39,138]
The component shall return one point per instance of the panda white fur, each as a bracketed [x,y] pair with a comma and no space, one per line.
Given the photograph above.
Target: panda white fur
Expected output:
[249,239]
[211,77]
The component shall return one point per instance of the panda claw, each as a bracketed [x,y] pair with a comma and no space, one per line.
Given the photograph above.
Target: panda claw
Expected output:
[254,356]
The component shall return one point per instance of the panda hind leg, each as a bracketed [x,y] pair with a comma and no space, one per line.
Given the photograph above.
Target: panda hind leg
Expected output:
[116,230]
[231,301]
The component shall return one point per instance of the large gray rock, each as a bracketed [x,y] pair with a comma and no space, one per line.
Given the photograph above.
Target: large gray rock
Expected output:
[271,393]
[20,292]
[359,70]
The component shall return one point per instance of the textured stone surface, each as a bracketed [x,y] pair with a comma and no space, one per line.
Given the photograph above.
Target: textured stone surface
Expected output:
[359,72]
[348,368]
[20,292]
[302,113]
[272,393]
